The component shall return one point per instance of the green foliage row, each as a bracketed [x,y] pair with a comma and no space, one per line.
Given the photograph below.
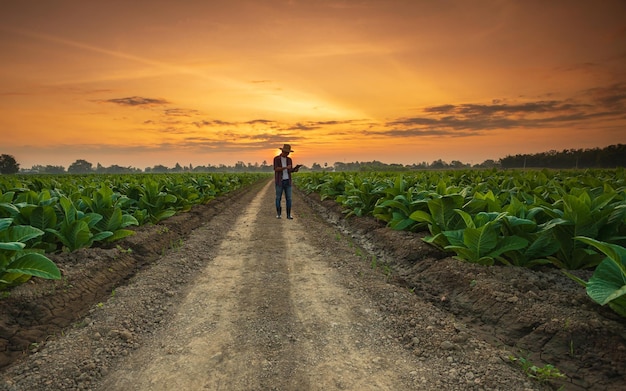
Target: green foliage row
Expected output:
[521,218]
[50,213]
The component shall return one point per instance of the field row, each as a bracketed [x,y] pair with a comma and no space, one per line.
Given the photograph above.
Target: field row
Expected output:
[566,219]
[52,213]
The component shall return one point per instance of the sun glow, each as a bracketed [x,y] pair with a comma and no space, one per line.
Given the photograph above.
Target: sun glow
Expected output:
[395,81]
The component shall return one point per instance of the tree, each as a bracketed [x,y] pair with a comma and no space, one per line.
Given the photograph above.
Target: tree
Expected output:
[54,169]
[49,169]
[457,164]
[489,163]
[439,164]
[159,168]
[80,166]
[8,165]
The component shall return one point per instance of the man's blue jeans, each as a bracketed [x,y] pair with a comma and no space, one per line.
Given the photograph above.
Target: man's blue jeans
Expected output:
[283,187]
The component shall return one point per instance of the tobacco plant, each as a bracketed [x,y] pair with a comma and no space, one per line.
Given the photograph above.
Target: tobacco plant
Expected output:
[582,215]
[17,264]
[75,229]
[110,205]
[482,241]
[607,285]
[441,217]
[360,196]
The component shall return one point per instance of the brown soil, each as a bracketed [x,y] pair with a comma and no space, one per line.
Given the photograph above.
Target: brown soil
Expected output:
[227,296]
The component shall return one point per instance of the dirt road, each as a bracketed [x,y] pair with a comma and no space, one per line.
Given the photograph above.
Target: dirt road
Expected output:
[268,313]
[251,302]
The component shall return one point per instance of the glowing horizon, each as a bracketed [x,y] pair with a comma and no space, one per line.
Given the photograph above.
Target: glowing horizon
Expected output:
[341,81]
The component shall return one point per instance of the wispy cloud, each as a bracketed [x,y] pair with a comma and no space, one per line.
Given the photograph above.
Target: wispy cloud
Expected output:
[612,97]
[180,112]
[260,121]
[137,101]
[459,120]
[303,127]
[446,120]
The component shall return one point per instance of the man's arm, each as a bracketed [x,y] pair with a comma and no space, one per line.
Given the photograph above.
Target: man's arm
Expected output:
[277,165]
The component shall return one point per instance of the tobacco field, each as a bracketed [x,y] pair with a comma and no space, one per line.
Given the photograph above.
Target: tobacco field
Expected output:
[533,261]
[564,219]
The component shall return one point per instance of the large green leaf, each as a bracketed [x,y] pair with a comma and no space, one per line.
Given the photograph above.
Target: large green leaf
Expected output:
[9,209]
[73,236]
[422,217]
[100,236]
[11,246]
[508,243]
[111,219]
[5,223]
[164,215]
[439,240]
[400,222]
[69,211]
[119,234]
[79,234]
[6,197]
[542,246]
[443,212]
[22,233]
[481,240]
[455,237]
[92,219]
[128,220]
[614,252]
[34,264]
[43,217]
[607,283]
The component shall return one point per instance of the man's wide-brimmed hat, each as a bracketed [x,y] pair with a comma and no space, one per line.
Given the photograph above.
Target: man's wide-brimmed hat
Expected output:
[286,148]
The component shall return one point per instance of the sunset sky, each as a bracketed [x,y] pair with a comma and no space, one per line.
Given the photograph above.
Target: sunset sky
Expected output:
[141,83]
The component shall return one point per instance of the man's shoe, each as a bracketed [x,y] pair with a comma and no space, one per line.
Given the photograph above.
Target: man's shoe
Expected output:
[289,218]
[278,216]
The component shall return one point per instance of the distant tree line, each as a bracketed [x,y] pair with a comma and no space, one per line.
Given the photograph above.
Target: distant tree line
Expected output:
[609,157]
[82,166]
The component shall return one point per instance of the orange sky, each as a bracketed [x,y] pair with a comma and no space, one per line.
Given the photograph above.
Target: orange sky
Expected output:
[141,83]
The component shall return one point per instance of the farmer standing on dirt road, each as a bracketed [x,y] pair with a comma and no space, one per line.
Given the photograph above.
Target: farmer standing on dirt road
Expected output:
[283,167]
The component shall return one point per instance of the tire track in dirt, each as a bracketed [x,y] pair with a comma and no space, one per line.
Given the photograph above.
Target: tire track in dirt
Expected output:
[267,314]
